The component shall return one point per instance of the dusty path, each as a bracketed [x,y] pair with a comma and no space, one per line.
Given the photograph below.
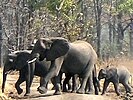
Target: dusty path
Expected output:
[35,95]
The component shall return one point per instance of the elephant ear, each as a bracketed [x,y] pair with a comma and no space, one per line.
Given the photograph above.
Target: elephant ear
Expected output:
[59,47]
[112,72]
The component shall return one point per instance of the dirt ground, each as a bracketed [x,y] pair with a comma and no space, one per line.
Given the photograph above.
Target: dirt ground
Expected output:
[11,93]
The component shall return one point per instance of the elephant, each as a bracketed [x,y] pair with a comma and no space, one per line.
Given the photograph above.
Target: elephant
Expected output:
[70,83]
[77,57]
[41,68]
[88,89]
[115,75]
[96,83]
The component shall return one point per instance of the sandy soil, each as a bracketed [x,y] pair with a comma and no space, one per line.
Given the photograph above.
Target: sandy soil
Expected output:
[35,95]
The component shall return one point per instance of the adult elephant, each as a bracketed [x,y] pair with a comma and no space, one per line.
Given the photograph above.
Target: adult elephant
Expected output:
[18,61]
[78,57]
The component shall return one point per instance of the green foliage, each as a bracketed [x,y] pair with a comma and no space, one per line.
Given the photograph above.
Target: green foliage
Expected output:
[37,4]
[53,5]
[63,5]
[127,6]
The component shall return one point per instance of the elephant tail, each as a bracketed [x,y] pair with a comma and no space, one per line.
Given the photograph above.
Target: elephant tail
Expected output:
[96,81]
[131,79]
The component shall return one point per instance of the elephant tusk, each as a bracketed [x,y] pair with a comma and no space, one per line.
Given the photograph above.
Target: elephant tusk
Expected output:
[8,72]
[31,61]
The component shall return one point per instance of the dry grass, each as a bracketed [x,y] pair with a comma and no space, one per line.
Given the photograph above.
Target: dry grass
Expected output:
[117,62]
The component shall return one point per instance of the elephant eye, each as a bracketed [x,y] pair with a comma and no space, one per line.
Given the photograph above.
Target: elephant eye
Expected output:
[104,74]
[48,45]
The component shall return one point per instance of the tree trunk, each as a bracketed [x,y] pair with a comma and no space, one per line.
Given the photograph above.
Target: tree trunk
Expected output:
[17,29]
[114,32]
[98,10]
[1,44]
[131,38]
[120,32]
[110,22]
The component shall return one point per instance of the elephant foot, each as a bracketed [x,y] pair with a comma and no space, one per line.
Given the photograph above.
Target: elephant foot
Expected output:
[102,93]
[65,90]
[27,94]
[20,91]
[118,94]
[89,92]
[96,93]
[57,93]
[74,91]
[80,91]
[129,91]
[129,94]
[42,90]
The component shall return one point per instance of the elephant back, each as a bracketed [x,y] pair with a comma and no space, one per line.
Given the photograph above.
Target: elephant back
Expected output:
[85,47]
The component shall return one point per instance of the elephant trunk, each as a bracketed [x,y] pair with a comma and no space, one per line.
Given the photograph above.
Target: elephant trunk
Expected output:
[4,81]
[101,77]
[5,72]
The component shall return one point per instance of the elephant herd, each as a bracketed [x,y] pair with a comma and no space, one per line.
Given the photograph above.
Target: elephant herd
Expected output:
[51,57]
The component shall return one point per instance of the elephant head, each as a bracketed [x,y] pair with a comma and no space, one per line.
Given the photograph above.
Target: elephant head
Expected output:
[107,73]
[8,67]
[50,48]
[102,74]
[21,59]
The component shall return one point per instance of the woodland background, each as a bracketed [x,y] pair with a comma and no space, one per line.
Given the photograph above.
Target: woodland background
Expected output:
[106,24]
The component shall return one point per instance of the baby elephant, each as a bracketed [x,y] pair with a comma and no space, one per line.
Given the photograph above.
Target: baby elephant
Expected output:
[115,75]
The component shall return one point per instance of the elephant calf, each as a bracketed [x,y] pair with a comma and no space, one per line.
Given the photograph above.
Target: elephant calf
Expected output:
[115,75]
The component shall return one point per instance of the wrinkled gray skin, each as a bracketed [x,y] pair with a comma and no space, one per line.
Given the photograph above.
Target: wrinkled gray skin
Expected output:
[88,89]
[22,56]
[115,75]
[95,83]
[75,58]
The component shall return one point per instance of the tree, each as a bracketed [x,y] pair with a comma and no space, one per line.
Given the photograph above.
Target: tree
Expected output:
[127,7]
[98,11]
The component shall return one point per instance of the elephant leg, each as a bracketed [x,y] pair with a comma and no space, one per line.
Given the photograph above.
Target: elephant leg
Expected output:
[53,82]
[81,90]
[89,85]
[96,82]
[42,88]
[105,85]
[85,75]
[69,84]
[74,83]
[116,86]
[96,85]
[57,85]
[65,82]
[41,84]
[53,71]
[29,77]
[128,88]
[41,81]
[20,80]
